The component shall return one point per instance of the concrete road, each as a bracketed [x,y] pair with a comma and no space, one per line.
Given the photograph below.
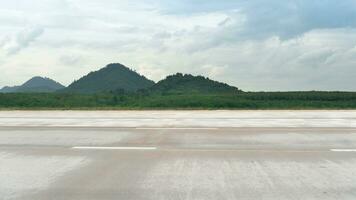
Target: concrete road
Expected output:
[67,158]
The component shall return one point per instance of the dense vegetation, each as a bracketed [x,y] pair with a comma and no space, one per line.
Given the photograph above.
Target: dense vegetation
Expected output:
[240,100]
[189,84]
[110,78]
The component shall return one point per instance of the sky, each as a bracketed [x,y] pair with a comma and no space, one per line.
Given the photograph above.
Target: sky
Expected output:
[256,45]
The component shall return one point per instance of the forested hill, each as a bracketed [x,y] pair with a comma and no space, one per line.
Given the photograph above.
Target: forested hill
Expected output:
[189,84]
[35,85]
[110,78]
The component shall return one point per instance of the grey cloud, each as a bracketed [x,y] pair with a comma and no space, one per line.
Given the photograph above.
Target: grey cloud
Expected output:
[288,19]
[285,19]
[13,44]
[225,22]
[260,19]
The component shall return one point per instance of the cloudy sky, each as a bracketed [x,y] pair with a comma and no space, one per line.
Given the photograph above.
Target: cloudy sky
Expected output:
[253,44]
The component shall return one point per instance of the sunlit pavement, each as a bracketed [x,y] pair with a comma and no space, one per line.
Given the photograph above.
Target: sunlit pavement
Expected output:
[178,155]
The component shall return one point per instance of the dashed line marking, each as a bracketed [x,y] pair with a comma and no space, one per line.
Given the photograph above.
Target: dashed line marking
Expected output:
[168,128]
[343,150]
[115,148]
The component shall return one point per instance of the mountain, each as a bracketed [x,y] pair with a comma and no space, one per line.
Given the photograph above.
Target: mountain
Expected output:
[34,85]
[110,78]
[188,84]
[8,89]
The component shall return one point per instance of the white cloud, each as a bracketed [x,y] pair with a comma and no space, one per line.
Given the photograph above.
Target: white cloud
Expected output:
[14,43]
[70,59]
[231,41]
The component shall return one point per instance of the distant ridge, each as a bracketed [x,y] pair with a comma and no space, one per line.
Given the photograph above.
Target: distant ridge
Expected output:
[36,84]
[120,79]
[188,84]
[113,77]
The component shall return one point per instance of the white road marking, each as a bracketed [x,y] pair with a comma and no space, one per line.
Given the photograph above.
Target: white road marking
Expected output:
[116,148]
[168,128]
[343,150]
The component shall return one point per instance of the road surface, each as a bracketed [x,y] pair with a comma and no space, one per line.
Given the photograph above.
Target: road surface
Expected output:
[178,155]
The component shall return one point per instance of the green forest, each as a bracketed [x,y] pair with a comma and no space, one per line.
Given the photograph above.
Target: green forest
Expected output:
[142,100]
